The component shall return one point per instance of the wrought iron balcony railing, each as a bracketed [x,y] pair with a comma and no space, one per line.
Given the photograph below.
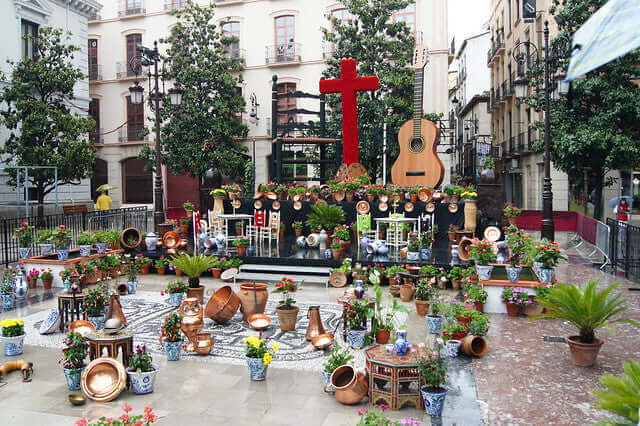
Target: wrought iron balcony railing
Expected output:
[131,7]
[95,72]
[283,53]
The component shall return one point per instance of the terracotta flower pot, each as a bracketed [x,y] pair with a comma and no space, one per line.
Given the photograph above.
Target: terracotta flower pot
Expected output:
[583,354]
[394,290]
[413,198]
[216,272]
[406,292]
[161,270]
[47,284]
[478,306]
[382,336]
[422,307]
[533,308]
[452,236]
[33,282]
[455,284]
[393,281]
[473,346]
[179,273]
[287,318]
[349,196]
[513,310]
[253,303]
[145,269]
[242,250]
[337,253]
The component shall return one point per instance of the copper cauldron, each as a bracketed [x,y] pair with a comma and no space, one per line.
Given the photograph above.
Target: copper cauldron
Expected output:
[204,343]
[223,305]
[315,327]
[351,385]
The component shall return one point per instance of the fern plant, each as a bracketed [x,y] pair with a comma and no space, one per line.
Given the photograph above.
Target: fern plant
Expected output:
[622,396]
[192,266]
[585,307]
[325,216]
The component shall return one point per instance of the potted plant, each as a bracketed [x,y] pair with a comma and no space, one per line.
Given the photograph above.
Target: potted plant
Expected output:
[43,238]
[216,268]
[161,265]
[382,325]
[413,248]
[451,232]
[392,273]
[511,212]
[453,330]
[93,305]
[85,242]
[286,310]
[176,291]
[413,193]
[114,262]
[32,277]
[548,255]
[12,336]
[61,238]
[477,296]
[338,357]
[144,263]
[188,207]
[170,336]
[46,275]
[621,396]
[325,216]
[434,319]
[297,227]
[184,224]
[587,309]
[515,299]
[426,242]
[357,313]
[142,371]
[281,190]
[102,239]
[482,254]
[259,354]
[336,249]
[24,235]
[342,234]
[455,275]
[132,269]
[73,355]
[241,243]
[517,246]
[425,292]
[193,267]
[433,369]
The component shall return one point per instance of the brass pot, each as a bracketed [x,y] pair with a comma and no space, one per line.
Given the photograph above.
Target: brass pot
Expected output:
[315,327]
[223,305]
[351,385]
[253,298]
[204,343]
[192,322]
[103,379]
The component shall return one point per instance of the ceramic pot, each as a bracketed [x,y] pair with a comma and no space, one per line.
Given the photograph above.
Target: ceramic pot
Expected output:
[453,347]
[142,383]
[513,273]
[434,324]
[215,272]
[422,307]
[473,346]
[413,256]
[455,258]
[33,282]
[287,318]
[101,248]
[161,270]
[513,310]
[250,302]
[97,321]
[85,250]
[47,284]
[328,387]
[484,272]
[72,376]
[251,251]
[175,299]
[584,354]
[46,249]
[328,254]
[532,308]
[172,350]
[455,284]
[381,247]
[406,292]
[433,400]
[179,273]
[425,254]
[470,215]
[394,289]
[23,252]
[257,369]
[63,254]
[322,239]
[545,275]
[356,338]
[132,286]
[350,384]
[401,346]
[21,286]
[13,345]
[151,241]
[145,269]
[359,290]
[382,336]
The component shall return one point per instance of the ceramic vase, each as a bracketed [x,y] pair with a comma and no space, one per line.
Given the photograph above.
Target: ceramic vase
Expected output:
[322,239]
[46,249]
[381,248]
[433,401]
[72,376]
[21,286]
[359,289]
[401,345]
[257,369]
[63,254]
[453,347]
[175,299]
[484,272]
[132,286]
[142,383]
[425,254]
[8,301]
[455,259]
[251,251]
[537,266]
[413,256]
[513,273]
[434,323]
[172,350]
[101,248]
[85,250]
[356,338]
[151,241]
[328,254]
[545,275]
[328,387]
[13,345]
[23,252]
[97,321]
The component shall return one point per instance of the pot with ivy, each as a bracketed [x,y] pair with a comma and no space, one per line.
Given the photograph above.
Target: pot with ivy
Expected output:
[382,324]
[339,356]
[170,336]
[357,313]
[12,336]
[93,305]
[72,360]
[286,310]
[425,292]
[241,244]
[142,371]
[24,235]
[433,369]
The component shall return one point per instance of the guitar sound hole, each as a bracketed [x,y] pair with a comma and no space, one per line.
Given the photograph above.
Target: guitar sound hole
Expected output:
[416,145]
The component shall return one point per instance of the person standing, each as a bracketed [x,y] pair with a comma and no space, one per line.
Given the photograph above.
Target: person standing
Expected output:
[623,215]
[103,203]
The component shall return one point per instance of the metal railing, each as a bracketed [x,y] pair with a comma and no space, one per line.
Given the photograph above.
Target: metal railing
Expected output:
[131,133]
[124,70]
[131,7]
[95,72]
[134,217]
[174,4]
[282,53]
[96,136]
[624,248]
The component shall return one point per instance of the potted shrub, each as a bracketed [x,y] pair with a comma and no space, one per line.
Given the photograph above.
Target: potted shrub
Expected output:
[325,216]
[46,275]
[426,242]
[451,232]
[176,291]
[482,254]
[73,355]
[338,357]
[193,267]
[142,371]
[455,275]
[144,263]
[216,269]
[453,330]
[622,395]
[161,265]
[515,299]
[357,313]
[32,277]
[413,248]
[382,325]
[132,269]
[548,255]
[392,273]
[425,292]
[413,193]
[241,244]
[24,235]
[477,296]
[511,212]
[587,309]
[297,227]
[62,239]
[259,354]
[286,310]
[43,238]
[342,233]
[184,224]
[434,319]
[170,336]
[336,249]
[12,336]
[93,305]
[102,239]
[433,369]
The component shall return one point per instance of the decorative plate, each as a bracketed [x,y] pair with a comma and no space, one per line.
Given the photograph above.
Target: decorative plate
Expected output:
[362,207]
[383,207]
[431,207]
[236,204]
[50,323]
[257,204]
[103,379]
[408,207]
[338,279]
[271,196]
[275,205]
[492,233]
[325,191]
[424,195]
[339,195]
[228,274]
[297,205]
[453,207]
[258,195]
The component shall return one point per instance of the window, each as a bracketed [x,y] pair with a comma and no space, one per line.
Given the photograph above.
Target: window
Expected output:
[135,120]
[239,93]
[93,60]
[174,4]
[94,112]
[344,16]
[285,35]
[138,186]
[133,41]
[286,103]
[132,7]
[232,29]
[29,34]
[406,15]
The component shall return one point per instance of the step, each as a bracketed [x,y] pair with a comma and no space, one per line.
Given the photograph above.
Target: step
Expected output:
[300,270]
[253,276]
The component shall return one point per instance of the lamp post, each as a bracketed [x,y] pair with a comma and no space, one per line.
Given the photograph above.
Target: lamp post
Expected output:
[554,87]
[148,57]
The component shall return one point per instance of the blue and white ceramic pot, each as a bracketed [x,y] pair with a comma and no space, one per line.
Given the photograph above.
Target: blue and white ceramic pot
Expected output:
[413,256]
[328,254]
[356,338]
[175,299]
[142,383]
[13,345]
[24,252]
[173,350]
[455,259]
[63,254]
[257,369]
[73,376]
[401,345]
[220,239]
[484,272]
[251,251]
[46,249]
[358,290]
[434,324]
[8,301]
[132,286]
[453,347]
[101,248]
[425,254]
[433,401]
[545,275]
[328,387]
[85,250]
[537,266]
[381,248]
[20,286]
[513,273]
[98,322]
[151,241]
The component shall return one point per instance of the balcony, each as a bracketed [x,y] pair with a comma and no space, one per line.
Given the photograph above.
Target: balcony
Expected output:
[174,4]
[96,136]
[282,54]
[498,98]
[123,70]
[239,54]
[496,49]
[328,49]
[504,90]
[95,16]
[131,7]
[131,133]
[95,72]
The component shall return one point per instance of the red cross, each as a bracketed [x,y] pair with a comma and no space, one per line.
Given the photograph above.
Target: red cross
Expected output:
[348,84]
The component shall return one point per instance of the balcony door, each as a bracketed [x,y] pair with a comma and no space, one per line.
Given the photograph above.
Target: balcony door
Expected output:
[135,120]
[285,37]
[232,29]
[93,60]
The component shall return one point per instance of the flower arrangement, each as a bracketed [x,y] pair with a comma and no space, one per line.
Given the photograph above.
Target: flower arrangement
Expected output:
[517,296]
[357,313]
[140,361]
[511,210]
[43,236]
[469,193]
[414,243]
[453,228]
[85,239]
[94,302]
[548,253]
[482,252]
[140,260]
[176,287]
[162,262]
[171,328]
[339,356]
[286,287]
[257,347]
[425,291]
[33,274]
[24,234]
[74,352]
[124,420]
[46,275]
[475,293]
[433,369]
[12,327]
[61,237]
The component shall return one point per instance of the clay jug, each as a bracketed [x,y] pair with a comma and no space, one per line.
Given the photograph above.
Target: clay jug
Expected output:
[474,346]
[315,327]
[253,298]
[115,309]
[406,292]
[192,320]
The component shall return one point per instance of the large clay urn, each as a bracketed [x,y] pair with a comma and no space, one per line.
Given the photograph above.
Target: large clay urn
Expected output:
[253,298]
[470,215]
[473,346]
[192,320]
[351,385]
[406,292]
[315,327]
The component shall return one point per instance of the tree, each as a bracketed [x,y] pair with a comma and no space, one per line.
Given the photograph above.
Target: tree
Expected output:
[382,48]
[42,129]
[600,129]
[202,133]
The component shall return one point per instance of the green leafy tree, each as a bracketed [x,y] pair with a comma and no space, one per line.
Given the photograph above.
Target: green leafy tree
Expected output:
[599,129]
[43,131]
[382,48]
[203,132]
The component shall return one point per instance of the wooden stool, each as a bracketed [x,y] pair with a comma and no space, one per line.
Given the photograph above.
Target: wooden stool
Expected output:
[70,308]
[99,340]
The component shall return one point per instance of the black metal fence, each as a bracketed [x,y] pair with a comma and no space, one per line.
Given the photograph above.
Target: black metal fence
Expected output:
[624,248]
[134,217]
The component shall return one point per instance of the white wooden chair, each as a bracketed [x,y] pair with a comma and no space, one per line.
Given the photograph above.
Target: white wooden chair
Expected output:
[271,232]
[253,230]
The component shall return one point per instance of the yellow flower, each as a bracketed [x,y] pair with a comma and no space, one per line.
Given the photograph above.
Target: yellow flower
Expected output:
[266,359]
[253,341]
[276,347]
[11,322]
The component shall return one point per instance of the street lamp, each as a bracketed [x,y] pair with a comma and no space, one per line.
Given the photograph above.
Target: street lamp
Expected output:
[148,57]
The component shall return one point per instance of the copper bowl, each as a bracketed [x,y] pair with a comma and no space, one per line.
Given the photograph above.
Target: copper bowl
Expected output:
[82,327]
[171,239]
[103,379]
[323,341]
[204,343]
[258,321]
[77,399]
[271,196]
[223,305]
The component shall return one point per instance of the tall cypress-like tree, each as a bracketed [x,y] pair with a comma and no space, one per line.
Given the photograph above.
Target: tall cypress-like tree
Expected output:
[382,48]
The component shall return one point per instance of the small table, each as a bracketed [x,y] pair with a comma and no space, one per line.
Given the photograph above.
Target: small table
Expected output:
[98,340]
[394,234]
[70,308]
[394,379]
[229,217]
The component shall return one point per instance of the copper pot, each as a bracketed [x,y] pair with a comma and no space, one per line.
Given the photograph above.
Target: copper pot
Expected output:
[204,343]
[192,321]
[351,385]
[253,298]
[103,379]
[122,289]
[223,305]
[315,327]
[473,346]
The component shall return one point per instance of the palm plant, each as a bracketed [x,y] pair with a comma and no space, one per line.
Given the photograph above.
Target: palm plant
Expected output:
[193,266]
[325,216]
[622,396]
[585,307]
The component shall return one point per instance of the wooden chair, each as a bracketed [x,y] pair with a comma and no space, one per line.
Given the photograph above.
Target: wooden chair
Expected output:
[258,223]
[272,231]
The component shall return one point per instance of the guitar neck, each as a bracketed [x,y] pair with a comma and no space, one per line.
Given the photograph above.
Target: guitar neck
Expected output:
[418,80]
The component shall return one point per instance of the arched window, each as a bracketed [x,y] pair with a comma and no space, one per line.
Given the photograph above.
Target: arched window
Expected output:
[137,181]
[285,33]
